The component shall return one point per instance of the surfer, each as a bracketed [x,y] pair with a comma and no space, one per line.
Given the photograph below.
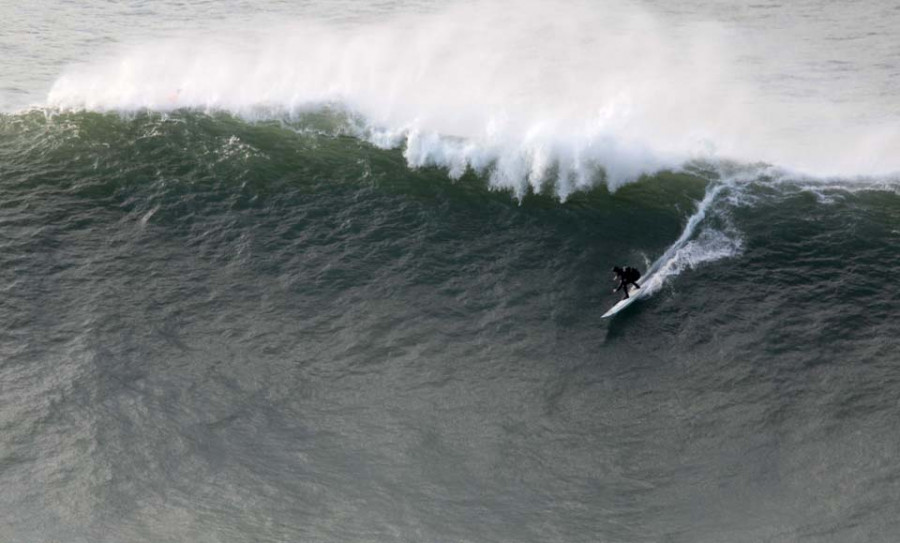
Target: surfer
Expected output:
[625,277]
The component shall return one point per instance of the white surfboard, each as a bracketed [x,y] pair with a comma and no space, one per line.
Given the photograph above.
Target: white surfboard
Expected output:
[649,283]
[633,294]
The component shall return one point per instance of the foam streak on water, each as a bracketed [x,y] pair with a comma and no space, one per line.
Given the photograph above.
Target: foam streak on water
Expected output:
[693,248]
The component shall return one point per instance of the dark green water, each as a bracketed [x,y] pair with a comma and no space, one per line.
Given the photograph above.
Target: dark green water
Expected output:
[223,331]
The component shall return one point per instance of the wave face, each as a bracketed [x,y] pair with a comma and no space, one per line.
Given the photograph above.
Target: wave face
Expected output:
[566,94]
[267,331]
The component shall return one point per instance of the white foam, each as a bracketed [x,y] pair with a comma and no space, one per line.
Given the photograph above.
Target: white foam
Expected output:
[530,92]
[698,243]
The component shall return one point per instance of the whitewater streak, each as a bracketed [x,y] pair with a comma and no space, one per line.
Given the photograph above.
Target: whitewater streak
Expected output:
[533,94]
[693,248]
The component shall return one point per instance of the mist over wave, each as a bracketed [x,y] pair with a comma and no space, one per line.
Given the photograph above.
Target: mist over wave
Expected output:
[565,93]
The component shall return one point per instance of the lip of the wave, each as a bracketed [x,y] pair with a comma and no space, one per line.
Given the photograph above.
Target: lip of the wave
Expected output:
[524,161]
[567,155]
[520,155]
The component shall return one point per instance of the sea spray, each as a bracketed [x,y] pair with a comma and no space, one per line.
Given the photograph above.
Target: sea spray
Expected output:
[538,94]
[562,100]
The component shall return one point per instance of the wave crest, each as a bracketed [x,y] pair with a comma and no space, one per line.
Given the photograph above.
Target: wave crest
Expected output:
[561,93]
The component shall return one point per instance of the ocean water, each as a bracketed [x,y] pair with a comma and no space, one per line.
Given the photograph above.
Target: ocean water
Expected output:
[334,272]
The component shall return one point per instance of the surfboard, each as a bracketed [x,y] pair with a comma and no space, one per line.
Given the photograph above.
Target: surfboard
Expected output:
[633,294]
[649,283]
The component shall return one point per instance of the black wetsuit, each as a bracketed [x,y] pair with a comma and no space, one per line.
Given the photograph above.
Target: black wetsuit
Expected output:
[627,276]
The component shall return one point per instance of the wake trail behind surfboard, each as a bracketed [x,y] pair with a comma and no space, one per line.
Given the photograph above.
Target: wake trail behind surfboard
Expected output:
[685,252]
